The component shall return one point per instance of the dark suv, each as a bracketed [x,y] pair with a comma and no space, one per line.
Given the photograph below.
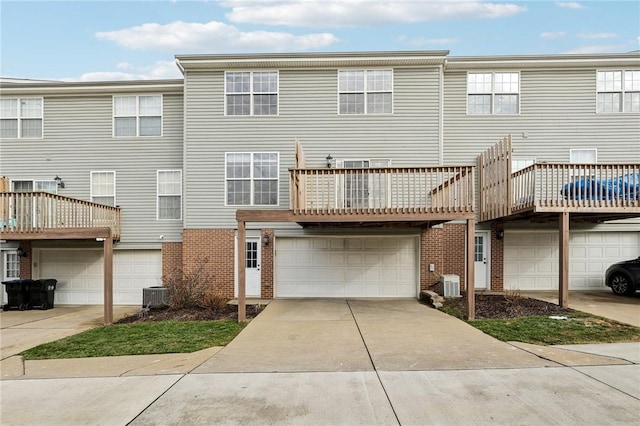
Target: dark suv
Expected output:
[624,277]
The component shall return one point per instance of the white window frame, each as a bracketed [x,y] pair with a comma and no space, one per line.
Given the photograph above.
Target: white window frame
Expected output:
[251,93]
[251,179]
[493,93]
[138,115]
[622,91]
[158,195]
[373,185]
[34,182]
[365,92]
[574,151]
[519,163]
[114,185]
[11,265]
[19,117]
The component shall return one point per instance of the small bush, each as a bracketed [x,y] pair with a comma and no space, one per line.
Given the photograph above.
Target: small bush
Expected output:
[193,289]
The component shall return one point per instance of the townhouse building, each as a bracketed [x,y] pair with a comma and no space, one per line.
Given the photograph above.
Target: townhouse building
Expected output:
[366,174]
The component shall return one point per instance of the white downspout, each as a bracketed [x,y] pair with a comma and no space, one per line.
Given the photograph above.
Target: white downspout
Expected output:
[441,116]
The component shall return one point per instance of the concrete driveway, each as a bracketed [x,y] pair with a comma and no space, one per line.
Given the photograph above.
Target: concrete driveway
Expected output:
[350,362]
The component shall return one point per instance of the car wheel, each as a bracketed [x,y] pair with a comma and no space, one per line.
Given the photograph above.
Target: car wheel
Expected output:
[621,285]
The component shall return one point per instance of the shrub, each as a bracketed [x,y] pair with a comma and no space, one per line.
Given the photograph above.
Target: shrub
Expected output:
[194,288]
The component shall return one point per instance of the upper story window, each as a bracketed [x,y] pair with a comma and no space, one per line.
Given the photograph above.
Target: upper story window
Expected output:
[493,93]
[21,118]
[137,115]
[618,91]
[365,92]
[251,93]
[169,194]
[252,178]
[103,188]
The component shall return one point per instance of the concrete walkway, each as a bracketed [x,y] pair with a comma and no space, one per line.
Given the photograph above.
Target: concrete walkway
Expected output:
[333,362]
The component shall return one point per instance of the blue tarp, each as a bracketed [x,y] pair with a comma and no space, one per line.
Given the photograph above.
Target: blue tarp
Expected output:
[626,187]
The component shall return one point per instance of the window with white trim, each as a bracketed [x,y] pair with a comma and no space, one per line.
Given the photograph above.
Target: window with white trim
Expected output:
[365,92]
[103,188]
[251,93]
[251,178]
[493,93]
[519,163]
[588,155]
[135,116]
[21,118]
[618,91]
[50,186]
[169,194]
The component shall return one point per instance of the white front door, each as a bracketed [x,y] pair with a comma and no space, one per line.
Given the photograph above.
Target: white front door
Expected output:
[252,268]
[481,258]
[11,269]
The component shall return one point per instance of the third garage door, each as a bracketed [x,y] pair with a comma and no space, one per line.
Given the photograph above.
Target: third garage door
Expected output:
[531,258]
[346,267]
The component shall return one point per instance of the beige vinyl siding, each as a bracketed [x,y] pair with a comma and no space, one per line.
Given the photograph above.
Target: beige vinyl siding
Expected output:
[78,139]
[308,110]
[557,113]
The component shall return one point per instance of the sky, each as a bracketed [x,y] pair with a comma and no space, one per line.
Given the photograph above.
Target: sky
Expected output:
[124,40]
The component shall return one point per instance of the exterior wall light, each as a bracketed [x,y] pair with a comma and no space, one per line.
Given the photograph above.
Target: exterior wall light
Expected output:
[329,161]
[499,234]
[21,253]
[266,239]
[59,181]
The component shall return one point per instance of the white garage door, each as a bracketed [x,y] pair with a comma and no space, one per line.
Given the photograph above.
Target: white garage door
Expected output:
[531,258]
[346,267]
[80,277]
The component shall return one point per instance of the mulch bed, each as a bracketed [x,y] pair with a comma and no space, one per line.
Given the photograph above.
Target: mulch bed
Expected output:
[229,312]
[501,306]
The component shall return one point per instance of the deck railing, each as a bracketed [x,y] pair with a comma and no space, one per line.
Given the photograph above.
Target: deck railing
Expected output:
[33,212]
[576,186]
[554,187]
[392,190]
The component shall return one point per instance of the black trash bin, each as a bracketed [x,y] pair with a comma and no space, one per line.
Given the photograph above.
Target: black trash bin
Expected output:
[17,294]
[41,294]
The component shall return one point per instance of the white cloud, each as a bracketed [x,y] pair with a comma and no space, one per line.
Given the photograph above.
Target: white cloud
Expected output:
[159,71]
[598,36]
[569,5]
[421,41]
[343,13]
[552,35]
[211,37]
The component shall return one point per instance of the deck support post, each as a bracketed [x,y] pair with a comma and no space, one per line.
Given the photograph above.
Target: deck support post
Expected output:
[242,252]
[108,280]
[471,297]
[563,285]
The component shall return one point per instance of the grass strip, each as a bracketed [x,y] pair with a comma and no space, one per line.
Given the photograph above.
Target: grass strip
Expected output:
[579,328]
[139,339]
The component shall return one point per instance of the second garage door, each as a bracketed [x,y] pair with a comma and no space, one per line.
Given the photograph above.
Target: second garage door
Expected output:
[531,258]
[346,267]
[81,281]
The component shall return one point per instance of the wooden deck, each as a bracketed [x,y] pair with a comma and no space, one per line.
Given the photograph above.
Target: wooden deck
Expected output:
[42,216]
[590,192]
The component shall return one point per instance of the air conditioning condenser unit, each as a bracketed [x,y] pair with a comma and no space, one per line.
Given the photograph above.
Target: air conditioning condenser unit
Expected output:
[449,285]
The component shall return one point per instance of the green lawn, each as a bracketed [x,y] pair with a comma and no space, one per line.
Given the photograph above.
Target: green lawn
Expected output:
[140,339]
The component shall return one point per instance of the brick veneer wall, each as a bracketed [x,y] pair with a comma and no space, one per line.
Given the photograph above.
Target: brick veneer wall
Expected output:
[444,247]
[430,252]
[218,248]
[497,259]
[454,241]
[266,264]
[25,262]
[171,257]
